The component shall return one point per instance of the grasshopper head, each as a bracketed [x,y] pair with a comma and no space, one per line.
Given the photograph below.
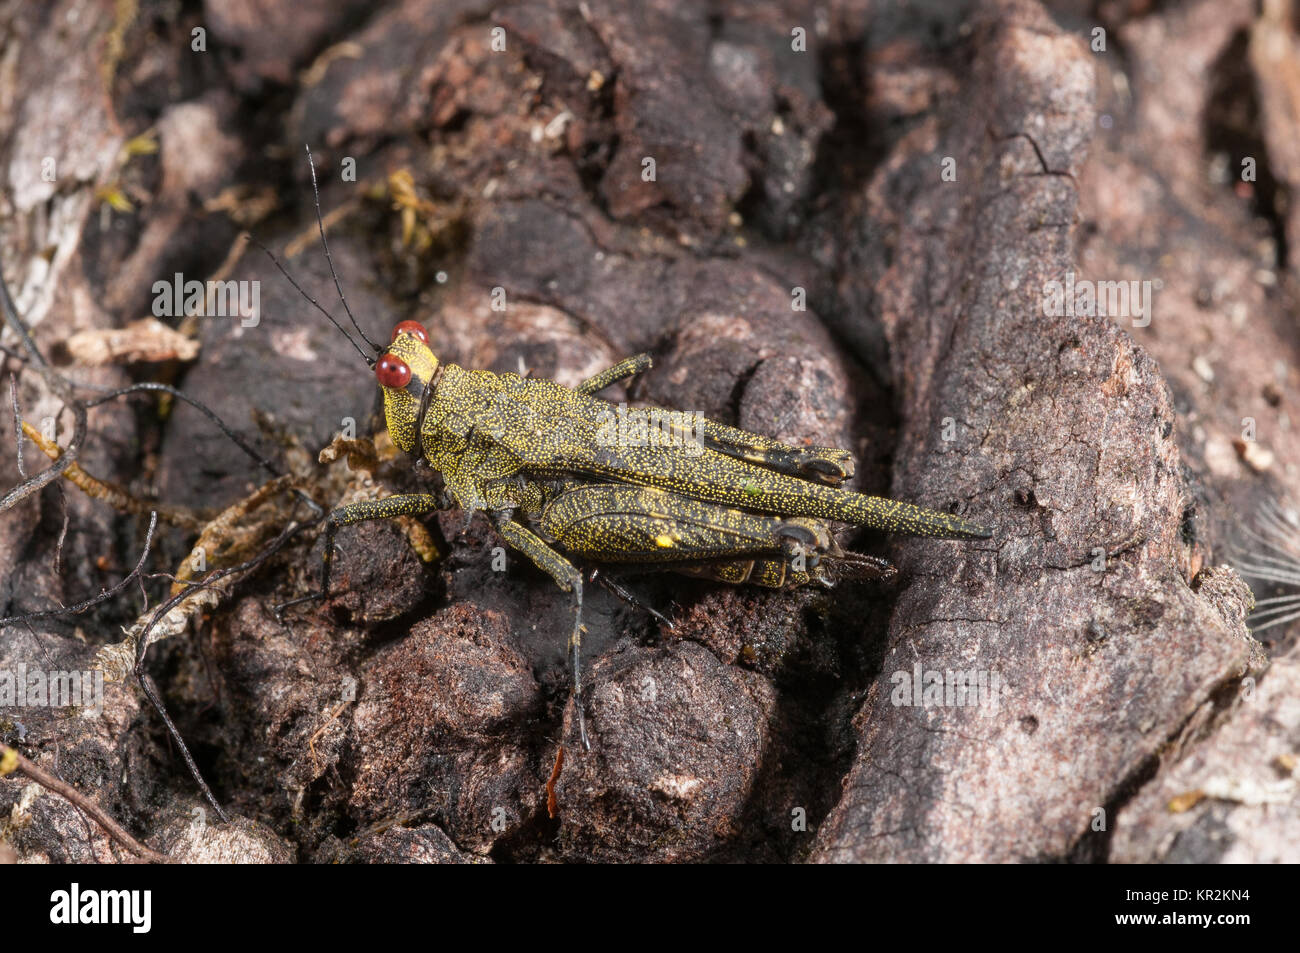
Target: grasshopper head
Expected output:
[404,371]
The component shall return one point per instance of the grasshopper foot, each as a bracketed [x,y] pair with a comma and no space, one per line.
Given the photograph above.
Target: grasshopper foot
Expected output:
[623,593]
[575,647]
[831,467]
[842,566]
[278,609]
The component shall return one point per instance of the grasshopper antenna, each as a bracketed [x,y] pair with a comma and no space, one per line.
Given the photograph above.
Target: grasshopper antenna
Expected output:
[320,224]
[316,304]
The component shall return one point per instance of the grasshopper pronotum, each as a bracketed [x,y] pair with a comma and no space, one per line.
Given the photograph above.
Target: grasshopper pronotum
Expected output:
[536,457]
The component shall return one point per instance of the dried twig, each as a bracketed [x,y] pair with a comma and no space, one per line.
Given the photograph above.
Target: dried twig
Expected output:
[112,494]
[11,760]
[60,387]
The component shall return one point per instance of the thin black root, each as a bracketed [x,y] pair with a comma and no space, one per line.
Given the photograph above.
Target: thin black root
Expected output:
[148,386]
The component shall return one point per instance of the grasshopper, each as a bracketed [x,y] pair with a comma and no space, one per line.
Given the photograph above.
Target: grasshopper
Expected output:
[536,457]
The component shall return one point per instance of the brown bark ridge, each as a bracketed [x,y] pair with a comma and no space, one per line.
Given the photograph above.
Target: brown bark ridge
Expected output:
[1063,439]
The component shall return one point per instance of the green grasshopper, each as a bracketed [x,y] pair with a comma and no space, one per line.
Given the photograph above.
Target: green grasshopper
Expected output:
[543,463]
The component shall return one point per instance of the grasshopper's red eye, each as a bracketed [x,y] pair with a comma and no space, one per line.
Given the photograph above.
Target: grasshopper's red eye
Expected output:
[414,328]
[393,372]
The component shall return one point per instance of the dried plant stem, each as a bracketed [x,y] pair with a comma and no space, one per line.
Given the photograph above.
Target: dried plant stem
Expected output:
[11,760]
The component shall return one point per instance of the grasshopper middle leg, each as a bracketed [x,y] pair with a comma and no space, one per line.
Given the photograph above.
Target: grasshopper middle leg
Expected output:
[568,578]
[615,523]
[628,367]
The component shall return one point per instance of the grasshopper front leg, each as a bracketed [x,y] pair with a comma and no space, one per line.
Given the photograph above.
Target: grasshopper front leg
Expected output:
[568,578]
[390,507]
[628,367]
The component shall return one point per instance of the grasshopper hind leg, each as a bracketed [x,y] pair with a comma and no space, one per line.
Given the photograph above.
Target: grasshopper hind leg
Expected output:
[828,465]
[654,529]
[779,573]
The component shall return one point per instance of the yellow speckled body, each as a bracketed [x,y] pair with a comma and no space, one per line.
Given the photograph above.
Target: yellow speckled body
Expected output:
[540,453]
[554,466]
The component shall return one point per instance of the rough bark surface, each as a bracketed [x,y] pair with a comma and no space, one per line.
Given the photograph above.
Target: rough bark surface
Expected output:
[846,244]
